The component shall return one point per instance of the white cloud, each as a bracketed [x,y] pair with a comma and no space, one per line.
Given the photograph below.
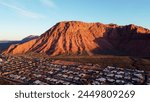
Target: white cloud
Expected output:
[48,3]
[22,11]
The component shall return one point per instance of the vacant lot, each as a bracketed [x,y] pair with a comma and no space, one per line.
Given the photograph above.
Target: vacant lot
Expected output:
[107,60]
[104,60]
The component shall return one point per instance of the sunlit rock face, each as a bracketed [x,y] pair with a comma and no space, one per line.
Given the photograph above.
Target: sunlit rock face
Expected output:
[80,38]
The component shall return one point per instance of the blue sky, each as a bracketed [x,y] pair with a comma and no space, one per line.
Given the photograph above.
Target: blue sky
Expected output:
[20,18]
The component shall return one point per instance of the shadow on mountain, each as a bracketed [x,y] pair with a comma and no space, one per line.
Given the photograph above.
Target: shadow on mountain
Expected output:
[136,45]
[5,45]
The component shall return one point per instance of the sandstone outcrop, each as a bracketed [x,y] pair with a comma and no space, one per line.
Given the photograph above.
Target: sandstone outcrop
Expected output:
[80,38]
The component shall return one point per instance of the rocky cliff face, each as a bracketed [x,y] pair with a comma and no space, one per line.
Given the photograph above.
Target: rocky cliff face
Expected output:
[76,38]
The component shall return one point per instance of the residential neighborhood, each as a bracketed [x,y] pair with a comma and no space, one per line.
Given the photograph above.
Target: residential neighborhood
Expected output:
[23,70]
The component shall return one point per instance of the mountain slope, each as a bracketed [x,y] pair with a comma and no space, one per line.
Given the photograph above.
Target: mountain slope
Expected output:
[74,37]
[5,44]
[28,38]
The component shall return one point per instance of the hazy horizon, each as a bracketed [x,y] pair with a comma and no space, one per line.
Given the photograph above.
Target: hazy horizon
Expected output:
[20,19]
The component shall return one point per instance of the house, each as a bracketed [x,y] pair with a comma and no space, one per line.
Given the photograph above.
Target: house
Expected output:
[137,80]
[118,76]
[110,80]
[139,76]
[96,83]
[14,76]
[110,75]
[120,82]
[38,82]
[120,72]
[101,79]
[127,77]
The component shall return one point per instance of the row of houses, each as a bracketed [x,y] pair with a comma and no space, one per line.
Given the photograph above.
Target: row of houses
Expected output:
[43,71]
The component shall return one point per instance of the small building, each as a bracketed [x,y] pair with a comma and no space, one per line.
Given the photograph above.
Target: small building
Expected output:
[136,80]
[121,82]
[118,76]
[110,80]
[38,82]
[96,83]
[110,75]
[140,76]
[120,72]
[101,79]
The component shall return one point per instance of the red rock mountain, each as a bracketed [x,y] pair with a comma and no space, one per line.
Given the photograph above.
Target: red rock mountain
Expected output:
[74,37]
